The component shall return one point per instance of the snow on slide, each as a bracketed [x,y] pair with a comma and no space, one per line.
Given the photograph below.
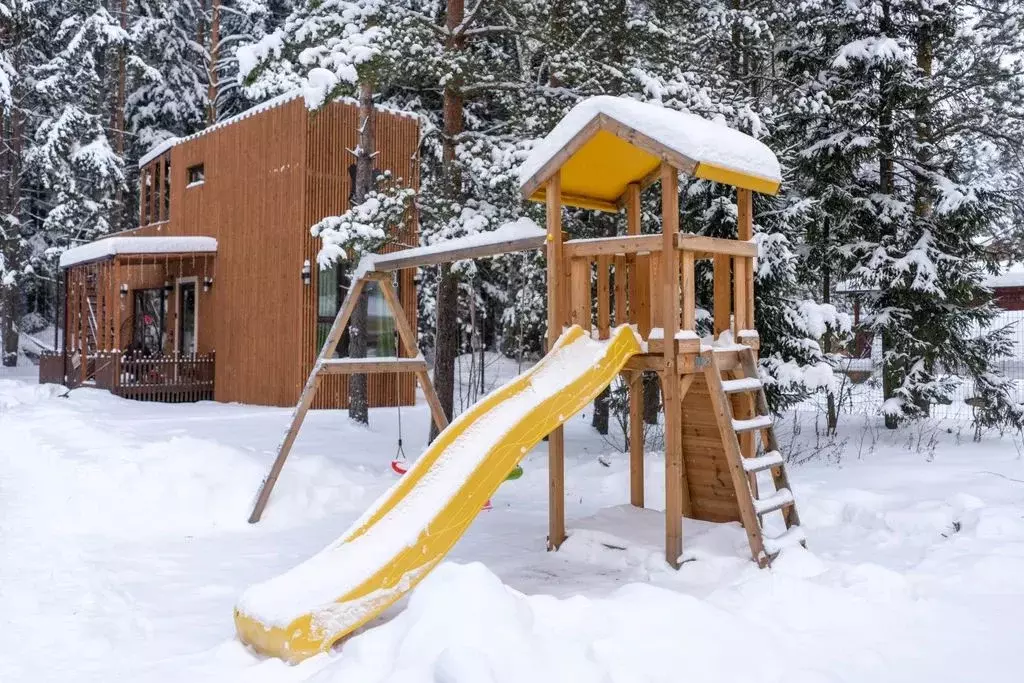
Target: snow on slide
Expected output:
[415,523]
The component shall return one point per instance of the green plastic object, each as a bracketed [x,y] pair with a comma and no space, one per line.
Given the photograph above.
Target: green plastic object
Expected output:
[515,474]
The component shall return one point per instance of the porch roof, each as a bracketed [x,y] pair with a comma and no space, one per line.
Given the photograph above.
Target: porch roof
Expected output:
[110,247]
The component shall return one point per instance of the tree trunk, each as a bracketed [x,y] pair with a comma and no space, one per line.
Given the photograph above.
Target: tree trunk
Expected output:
[358,401]
[445,343]
[891,374]
[9,299]
[446,338]
[923,154]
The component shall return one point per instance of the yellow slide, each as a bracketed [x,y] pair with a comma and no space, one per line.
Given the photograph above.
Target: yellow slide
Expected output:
[410,529]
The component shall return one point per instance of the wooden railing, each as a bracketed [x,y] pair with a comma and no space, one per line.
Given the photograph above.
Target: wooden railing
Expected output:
[176,378]
[629,284]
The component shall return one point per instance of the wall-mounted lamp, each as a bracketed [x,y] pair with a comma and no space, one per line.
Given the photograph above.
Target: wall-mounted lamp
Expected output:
[168,286]
[307,272]
[124,290]
[207,283]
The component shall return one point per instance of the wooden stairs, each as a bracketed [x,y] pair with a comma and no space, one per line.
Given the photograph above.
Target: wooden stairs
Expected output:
[741,382]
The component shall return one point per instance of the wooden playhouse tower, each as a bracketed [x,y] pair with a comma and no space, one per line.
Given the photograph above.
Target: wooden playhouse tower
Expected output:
[722,461]
[602,156]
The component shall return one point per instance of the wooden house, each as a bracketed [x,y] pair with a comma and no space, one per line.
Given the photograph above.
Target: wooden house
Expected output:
[217,294]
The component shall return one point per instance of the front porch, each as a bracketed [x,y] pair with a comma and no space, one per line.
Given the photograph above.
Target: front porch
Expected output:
[132,318]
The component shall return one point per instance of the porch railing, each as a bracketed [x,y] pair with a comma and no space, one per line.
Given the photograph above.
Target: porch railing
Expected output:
[173,378]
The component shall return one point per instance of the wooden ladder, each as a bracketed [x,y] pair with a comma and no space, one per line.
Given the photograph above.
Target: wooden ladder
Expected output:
[754,505]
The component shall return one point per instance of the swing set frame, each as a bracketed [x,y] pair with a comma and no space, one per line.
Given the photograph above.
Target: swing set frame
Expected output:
[380,269]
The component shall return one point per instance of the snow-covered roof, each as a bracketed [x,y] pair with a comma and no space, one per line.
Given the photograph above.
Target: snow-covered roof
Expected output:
[272,103]
[114,246]
[1012,277]
[604,143]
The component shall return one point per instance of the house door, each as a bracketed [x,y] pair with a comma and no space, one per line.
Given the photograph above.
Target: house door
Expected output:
[187,326]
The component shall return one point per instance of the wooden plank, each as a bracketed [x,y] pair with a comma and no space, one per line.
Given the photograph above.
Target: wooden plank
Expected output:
[621,281]
[556,442]
[676,488]
[604,297]
[613,246]
[739,294]
[636,438]
[580,288]
[362,366]
[306,400]
[710,246]
[689,291]
[722,293]
[655,288]
[416,258]
[639,287]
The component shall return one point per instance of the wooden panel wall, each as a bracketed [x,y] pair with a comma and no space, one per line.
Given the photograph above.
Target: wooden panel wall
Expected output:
[711,491]
[332,132]
[252,202]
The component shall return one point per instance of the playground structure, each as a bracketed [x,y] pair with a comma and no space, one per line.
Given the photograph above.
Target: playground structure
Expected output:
[639,316]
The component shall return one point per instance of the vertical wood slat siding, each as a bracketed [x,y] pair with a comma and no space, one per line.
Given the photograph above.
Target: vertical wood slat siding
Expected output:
[258,200]
[332,132]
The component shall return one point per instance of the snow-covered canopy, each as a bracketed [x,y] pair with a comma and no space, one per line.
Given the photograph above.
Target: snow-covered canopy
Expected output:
[114,246]
[272,103]
[605,143]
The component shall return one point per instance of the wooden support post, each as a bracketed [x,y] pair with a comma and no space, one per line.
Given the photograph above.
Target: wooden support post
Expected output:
[722,293]
[604,297]
[745,233]
[656,289]
[675,488]
[306,399]
[639,284]
[621,279]
[635,380]
[580,286]
[556,440]
[739,294]
[689,293]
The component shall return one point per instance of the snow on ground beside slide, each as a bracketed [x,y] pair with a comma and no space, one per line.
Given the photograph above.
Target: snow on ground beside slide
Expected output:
[915,570]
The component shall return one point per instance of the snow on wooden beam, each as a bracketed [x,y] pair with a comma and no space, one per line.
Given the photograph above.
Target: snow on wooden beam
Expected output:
[522,235]
[116,246]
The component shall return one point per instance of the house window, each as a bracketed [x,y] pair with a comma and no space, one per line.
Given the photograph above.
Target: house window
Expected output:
[380,324]
[147,194]
[196,175]
[148,334]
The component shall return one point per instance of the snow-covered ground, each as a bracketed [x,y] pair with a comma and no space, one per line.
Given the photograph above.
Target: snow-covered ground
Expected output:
[125,546]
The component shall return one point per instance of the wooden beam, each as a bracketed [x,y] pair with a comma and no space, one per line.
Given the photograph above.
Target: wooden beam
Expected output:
[362,366]
[689,287]
[710,246]
[605,246]
[306,399]
[556,440]
[674,474]
[745,232]
[418,257]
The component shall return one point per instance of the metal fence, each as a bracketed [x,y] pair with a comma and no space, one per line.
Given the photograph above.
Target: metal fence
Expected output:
[860,379]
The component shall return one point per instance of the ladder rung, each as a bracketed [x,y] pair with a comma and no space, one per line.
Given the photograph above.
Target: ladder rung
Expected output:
[736,386]
[792,536]
[776,501]
[763,462]
[358,366]
[759,422]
